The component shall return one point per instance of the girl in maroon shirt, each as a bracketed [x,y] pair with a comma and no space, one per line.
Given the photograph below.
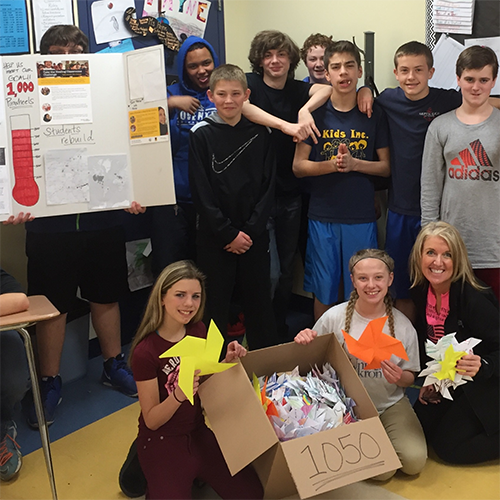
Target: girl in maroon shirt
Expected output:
[174,445]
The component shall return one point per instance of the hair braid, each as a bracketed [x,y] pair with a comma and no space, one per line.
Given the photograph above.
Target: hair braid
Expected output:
[350,310]
[390,315]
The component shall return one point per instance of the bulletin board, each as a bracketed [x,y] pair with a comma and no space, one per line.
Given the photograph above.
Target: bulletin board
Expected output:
[81,133]
[486,22]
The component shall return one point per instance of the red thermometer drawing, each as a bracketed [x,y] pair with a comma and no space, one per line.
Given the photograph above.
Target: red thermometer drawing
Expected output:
[25,190]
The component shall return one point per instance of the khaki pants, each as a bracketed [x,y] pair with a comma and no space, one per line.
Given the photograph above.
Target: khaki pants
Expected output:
[407,437]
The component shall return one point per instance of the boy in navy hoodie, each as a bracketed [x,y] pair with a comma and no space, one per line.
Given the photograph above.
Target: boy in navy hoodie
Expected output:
[173,226]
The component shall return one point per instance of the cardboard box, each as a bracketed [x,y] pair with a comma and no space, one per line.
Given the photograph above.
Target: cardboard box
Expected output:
[309,465]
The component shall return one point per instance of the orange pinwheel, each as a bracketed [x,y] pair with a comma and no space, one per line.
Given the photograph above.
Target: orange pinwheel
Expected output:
[374,346]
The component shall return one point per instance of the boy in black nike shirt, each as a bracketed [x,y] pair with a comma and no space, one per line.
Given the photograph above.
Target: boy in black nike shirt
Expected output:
[231,174]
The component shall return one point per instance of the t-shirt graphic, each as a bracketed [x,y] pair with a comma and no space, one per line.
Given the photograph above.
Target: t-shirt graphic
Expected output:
[356,148]
[467,165]
[187,120]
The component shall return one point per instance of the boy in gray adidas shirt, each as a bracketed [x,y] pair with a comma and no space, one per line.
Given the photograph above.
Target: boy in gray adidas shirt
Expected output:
[461,165]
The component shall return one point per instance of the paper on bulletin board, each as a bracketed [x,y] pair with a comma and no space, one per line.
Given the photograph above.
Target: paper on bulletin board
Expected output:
[494,44]
[14,24]
[186,17]
[108,21]
[47,13]
[66,91]
[445,55]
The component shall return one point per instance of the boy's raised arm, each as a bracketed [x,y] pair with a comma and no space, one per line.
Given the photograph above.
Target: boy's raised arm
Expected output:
[257,115]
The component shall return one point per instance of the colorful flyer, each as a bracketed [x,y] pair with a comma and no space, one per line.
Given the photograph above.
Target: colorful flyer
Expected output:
[64,92]
[147,125]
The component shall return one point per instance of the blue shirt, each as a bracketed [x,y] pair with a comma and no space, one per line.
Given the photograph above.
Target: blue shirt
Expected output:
[408,123]
[346,198]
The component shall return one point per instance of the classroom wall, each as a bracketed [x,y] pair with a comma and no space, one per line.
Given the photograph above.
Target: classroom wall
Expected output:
[393,21]
[12,256]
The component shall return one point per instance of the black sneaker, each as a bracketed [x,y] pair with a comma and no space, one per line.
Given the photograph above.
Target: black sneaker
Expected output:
[131,478]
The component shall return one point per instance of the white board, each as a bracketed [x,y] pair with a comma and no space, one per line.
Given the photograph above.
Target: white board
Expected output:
[66,119]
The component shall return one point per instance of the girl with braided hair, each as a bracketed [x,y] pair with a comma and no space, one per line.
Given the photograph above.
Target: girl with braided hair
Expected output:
[372,274]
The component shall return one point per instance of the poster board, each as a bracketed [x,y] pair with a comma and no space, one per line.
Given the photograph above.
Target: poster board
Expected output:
[81,133]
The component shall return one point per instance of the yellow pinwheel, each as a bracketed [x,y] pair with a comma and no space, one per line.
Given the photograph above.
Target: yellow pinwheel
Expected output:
[449,364]
[198,354]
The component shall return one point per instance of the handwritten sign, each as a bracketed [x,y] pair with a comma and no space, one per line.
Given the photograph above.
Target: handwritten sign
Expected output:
[331,459]
[19,84]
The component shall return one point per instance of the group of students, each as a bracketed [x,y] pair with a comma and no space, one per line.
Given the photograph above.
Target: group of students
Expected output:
[233,176]
[233,203]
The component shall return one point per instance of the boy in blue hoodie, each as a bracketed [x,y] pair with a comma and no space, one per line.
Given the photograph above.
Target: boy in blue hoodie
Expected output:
[173,226]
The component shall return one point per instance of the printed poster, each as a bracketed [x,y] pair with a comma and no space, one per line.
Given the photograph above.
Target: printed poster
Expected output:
[148,125]
[64,91]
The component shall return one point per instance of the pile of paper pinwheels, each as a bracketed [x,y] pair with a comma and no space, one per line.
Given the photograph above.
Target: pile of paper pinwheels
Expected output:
[441,371]
[299,406]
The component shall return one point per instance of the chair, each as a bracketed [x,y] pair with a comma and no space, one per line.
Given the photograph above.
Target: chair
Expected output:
[40,309]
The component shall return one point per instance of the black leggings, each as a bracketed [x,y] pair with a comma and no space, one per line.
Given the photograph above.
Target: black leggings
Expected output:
[455,433]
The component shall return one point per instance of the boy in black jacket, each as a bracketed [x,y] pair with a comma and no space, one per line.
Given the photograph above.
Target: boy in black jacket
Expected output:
[231,173]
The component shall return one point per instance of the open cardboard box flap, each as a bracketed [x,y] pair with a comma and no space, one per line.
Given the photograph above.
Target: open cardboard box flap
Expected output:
[313,464]
[235,415]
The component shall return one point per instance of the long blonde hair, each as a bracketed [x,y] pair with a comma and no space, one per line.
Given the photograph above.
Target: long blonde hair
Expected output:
[370,253]
[462,269]
[155,312]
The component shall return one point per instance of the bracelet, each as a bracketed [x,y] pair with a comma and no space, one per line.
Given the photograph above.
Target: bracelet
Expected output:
[176,398]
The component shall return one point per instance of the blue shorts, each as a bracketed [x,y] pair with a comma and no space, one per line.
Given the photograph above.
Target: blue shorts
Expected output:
[401,233]
[329,248]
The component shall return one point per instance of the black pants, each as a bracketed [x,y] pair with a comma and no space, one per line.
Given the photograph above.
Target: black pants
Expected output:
[251,272]
[173,231]
[287,227]
[454,431]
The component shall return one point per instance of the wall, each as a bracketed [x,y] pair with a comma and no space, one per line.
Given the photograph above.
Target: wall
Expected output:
[12,257]
[393,21]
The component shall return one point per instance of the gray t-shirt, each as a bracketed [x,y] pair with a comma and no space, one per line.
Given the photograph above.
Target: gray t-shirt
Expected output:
[461,183]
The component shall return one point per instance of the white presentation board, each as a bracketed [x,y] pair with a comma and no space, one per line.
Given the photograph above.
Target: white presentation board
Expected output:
[81,133]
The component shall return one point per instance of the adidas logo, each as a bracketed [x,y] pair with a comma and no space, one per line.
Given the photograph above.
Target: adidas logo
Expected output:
[471,164]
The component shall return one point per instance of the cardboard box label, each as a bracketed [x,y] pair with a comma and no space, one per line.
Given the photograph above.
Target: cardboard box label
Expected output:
[340,456]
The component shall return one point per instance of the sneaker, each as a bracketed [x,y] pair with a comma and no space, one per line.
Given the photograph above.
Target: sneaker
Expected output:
[117,374]
[50,389]
[10,456]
